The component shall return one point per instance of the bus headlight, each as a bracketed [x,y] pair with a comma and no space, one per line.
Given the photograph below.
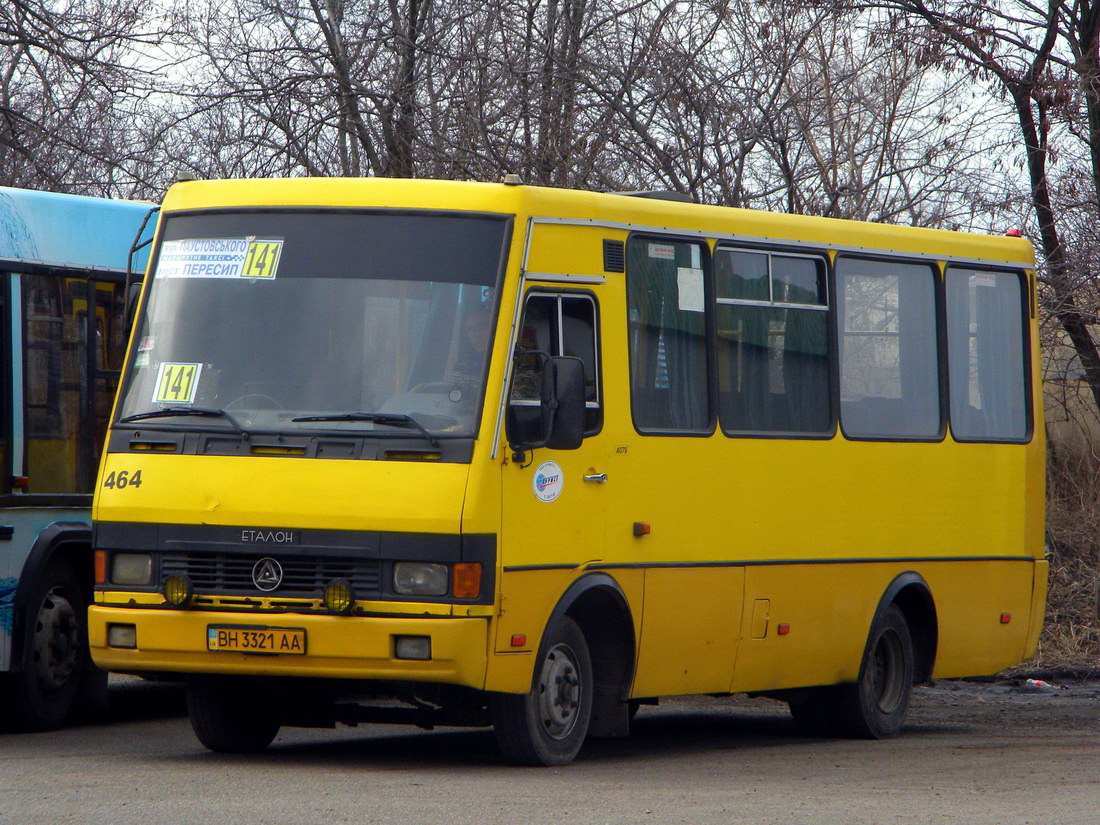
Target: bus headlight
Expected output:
[131,568]
[414,578]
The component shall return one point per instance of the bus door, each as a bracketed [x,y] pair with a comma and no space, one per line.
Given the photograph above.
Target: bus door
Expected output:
[553,501]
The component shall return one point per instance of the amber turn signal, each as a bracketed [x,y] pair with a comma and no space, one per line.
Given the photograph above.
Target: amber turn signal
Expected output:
[466,580]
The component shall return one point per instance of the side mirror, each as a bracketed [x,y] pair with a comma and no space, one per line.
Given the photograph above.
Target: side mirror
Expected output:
[563,402]
[558,420]
[133,295]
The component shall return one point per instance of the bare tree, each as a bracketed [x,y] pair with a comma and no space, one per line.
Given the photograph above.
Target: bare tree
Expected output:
[868,133]
[311,86]
[69,86]
[1042,60]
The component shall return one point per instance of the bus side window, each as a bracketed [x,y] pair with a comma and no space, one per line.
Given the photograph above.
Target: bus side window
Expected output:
[53,380]
[666,296]
[889,369]
[773,349]
[553,325]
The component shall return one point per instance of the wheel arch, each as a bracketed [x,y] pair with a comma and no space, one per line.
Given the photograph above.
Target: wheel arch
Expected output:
[67,541]
[913,597]
[600,608]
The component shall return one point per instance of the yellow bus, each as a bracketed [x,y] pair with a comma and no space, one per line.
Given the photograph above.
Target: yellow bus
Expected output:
[492,454]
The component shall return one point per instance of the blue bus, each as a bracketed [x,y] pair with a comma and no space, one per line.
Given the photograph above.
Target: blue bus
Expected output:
[66,268]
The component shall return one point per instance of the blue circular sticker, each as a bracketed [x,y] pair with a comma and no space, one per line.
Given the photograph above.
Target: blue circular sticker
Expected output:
[548,481]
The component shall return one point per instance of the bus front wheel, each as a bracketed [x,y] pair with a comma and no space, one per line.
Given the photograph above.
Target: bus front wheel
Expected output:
[875,706]
[231,715]
[55,659]
[547,725]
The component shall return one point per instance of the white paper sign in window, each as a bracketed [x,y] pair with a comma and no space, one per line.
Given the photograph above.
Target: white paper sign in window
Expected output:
[689,286]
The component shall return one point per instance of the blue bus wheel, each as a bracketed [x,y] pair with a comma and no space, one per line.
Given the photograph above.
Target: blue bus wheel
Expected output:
[55,653]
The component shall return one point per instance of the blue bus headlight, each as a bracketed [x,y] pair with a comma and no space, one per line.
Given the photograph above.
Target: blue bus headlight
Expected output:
[414,578]
[131,568]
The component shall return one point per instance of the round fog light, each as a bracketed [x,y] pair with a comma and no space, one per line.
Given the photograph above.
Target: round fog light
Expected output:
[339,597]
[178,591]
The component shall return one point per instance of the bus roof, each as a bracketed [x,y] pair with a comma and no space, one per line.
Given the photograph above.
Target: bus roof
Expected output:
[594,208]
[50,229]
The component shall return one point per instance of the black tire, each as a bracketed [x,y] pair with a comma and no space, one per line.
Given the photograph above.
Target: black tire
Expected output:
[41,694]
[91,703]
[232,715]
[548,725]
[812,712]
[875,706]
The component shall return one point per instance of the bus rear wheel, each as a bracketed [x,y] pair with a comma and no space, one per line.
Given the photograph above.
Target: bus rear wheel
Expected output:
[232,715]
[875,706]
[547,725]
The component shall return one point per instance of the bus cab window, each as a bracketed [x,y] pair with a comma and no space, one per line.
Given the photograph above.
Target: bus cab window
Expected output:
[553,325]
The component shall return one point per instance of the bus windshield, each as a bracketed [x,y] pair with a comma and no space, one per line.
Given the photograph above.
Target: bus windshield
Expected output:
[296,321]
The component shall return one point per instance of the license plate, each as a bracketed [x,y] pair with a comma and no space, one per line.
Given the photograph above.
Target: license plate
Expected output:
[251,639]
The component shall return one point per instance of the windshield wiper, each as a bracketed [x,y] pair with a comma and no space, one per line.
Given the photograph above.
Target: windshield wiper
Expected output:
[393,419]
[205,412]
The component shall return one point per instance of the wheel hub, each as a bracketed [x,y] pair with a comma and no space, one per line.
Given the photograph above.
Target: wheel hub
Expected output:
[887,687]
[56,642]
[559,692]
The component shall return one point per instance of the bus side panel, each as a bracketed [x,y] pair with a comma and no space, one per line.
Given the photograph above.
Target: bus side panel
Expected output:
[828,609]
[526,599]
[971,598]
[701,644]
[1038,607]
[825,611]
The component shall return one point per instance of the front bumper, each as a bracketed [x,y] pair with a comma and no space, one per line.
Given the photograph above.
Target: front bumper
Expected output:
[174,641]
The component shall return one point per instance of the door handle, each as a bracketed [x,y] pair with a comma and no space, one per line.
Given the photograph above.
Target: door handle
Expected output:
[7,532]
[599,478]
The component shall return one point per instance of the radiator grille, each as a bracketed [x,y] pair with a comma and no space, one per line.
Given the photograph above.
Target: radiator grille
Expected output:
[303,576]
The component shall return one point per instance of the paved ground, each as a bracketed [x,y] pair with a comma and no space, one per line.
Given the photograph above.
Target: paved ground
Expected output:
[973,753]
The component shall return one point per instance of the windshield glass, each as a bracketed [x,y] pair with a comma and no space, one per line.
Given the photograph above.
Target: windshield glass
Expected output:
[282,315]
